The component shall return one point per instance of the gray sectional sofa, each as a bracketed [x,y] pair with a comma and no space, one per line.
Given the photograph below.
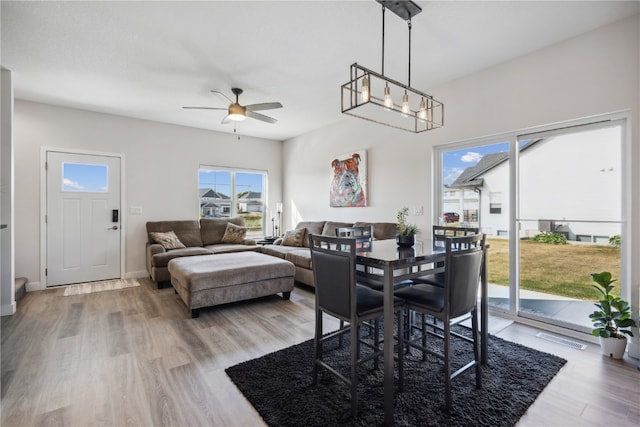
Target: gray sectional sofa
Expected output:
[205,269]
[202,237]
[300,256]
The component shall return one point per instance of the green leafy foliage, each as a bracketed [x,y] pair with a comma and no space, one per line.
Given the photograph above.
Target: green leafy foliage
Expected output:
[614,240]
[613,314]
[550,238]
[405,229]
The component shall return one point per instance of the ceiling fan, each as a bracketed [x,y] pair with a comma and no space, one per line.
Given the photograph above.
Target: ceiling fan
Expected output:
[237,112]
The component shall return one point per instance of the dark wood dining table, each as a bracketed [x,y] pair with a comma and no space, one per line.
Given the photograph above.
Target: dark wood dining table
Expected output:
[387,263]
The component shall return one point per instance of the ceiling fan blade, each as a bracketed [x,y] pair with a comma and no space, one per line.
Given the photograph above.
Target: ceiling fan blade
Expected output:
[217,92]
[204,108]
[226,120]
[263,106]
[261,117]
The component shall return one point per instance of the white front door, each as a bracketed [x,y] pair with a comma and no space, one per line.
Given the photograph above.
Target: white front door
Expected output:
[83,218]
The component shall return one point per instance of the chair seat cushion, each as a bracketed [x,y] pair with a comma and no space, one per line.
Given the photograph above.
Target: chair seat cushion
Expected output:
[431,279]
[370,300]
[430,297]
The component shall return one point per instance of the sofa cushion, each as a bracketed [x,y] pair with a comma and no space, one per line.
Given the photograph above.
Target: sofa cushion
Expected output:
[279,251]
[162,259]
[222,248]
[294,237]
[381,230]
[300,257]
[234,234]
[213,229]
[313,227]
[168,240]
[188,231]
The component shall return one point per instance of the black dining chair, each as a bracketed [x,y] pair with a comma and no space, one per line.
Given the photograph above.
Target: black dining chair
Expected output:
[338,295]
[454,303]
[439,236]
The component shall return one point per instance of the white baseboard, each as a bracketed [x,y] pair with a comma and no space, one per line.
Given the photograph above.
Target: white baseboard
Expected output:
[8,310]
[136,274]
[34,286]
[38,286]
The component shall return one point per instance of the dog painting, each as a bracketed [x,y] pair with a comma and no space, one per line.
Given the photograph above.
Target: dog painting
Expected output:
[349,180]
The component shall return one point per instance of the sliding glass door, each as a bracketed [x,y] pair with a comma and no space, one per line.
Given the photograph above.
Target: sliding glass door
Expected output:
[569,220]
[552,205]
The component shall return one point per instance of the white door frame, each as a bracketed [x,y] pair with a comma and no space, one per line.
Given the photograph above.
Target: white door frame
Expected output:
[43,207]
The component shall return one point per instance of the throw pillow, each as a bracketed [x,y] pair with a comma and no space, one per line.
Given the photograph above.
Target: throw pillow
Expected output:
[234,234]
[168,240]
[294,237]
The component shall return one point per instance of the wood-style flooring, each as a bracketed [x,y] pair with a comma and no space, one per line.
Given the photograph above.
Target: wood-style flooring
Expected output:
[134,357]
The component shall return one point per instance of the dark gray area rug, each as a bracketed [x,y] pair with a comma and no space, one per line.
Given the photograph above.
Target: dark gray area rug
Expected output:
[279,386]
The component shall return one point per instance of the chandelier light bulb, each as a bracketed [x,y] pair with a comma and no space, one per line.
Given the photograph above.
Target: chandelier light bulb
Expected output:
[422,112]
[388,102]
[406,110]
[365,89]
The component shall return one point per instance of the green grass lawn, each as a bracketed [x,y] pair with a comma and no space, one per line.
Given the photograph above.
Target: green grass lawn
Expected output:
[253,221]
[563,270]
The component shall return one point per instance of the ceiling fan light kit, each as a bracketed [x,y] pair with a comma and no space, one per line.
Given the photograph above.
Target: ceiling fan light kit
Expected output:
[237,112]
[370,95]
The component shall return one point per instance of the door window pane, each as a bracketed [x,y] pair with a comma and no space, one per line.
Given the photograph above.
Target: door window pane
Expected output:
[84,178]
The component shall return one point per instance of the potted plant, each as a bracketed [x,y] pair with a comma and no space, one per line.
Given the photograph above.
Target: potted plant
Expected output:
[405,236]
[612,318]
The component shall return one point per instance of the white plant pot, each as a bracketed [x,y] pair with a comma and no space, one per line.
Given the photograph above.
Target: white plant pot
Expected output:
[613,347]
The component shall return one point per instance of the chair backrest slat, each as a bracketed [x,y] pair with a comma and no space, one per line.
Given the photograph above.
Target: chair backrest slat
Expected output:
[462,273]
[441,232]
[363,235]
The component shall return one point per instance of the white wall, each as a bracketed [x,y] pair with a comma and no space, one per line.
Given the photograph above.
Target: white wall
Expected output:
[7,235]
[595,73]
[161,170]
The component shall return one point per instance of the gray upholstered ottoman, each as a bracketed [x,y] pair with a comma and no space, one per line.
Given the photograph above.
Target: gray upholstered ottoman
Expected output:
[208,280]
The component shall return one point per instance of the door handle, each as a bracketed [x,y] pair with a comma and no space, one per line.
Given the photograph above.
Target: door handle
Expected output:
[115,227]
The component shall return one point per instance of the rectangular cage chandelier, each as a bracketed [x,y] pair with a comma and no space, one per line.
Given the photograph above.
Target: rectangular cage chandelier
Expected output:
[373,96]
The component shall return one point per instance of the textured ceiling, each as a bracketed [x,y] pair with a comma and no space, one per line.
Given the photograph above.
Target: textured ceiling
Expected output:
[148,59]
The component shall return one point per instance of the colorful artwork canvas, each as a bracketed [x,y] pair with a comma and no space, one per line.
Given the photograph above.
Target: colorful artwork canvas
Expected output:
[349,180]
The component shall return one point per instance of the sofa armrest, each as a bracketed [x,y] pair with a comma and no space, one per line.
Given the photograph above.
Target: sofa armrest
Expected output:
[250,242]
[152,249]
[278,241]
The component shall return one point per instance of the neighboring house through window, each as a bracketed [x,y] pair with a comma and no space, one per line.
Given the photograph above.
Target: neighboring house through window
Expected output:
[224,193]
[495,203]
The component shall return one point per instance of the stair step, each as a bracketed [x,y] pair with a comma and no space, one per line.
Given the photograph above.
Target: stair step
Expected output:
[21,287]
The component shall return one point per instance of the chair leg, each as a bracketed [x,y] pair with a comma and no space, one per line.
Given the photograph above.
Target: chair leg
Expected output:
[354,374]
[376,343]
[476,352]
[317,347]
[400,350]
[424,334]
[340,337]
[407,327]
[447,363]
